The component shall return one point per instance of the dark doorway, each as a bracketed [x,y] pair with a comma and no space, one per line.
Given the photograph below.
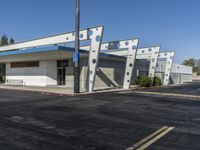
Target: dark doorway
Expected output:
[2,72]
[61,65]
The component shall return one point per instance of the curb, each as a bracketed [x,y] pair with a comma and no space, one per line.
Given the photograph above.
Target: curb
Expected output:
[98,91]
[167,94]
[39,92]
[70,94]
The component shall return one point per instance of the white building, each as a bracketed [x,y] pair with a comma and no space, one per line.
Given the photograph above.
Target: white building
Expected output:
[53,66]
[45,62]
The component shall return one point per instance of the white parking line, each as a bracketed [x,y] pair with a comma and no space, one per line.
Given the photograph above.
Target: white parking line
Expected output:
[152,138]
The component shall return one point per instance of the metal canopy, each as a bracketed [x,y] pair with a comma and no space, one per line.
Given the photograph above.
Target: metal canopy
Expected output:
[115,48]
[126,48]
[94,34]
[130,47]
[154,55]
[151,53]
[143,53]
[131,50]
[53,40]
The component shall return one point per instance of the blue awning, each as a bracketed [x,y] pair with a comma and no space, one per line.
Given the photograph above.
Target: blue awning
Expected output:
[48,49]
[36,50]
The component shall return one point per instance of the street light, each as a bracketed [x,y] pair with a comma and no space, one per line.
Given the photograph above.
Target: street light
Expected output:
[77,46]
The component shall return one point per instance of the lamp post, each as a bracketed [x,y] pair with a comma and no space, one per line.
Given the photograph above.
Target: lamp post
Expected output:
[77,46]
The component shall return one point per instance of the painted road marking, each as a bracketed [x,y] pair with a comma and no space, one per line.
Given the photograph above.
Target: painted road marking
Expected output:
[147,138]
[152,138]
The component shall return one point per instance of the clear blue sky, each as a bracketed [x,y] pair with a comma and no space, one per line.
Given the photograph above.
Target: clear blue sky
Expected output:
[173,24]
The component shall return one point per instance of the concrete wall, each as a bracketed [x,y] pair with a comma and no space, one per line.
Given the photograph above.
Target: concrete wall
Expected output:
[44,75]
[110,73]
[179,73]
[180,78]
[35,76]
[51,73]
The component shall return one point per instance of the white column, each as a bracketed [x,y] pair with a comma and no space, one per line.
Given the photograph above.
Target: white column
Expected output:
[96,35]
[130,62]
[169,56]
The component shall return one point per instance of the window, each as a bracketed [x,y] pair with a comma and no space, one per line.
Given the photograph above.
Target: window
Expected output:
[24,64]
[62,63]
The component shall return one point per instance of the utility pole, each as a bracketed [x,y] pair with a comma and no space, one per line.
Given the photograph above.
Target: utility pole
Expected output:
[77,46]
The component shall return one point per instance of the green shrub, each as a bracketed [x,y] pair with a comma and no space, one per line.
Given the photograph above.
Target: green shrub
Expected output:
[144,81]
[137,81]
[198,72]
[2,78]
[157,81]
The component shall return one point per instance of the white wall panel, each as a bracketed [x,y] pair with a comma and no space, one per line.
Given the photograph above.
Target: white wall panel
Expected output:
[43,75]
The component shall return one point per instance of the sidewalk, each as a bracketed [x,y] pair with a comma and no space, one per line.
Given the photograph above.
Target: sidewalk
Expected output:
[47,90]
[58,90]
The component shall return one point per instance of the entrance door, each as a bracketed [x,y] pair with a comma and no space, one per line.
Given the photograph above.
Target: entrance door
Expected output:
[61,64]
[61,76]
[2,72]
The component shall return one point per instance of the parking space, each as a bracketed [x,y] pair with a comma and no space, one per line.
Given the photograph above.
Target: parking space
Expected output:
[95,122]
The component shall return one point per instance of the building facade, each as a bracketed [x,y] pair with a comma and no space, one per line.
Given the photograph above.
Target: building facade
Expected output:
[53,66]
[48,62]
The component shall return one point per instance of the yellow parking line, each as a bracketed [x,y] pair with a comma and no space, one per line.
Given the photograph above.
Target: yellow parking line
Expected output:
[147,138]
[152,138]
[155,139]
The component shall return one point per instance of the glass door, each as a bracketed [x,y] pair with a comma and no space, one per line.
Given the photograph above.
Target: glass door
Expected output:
[61,76]
[61,64]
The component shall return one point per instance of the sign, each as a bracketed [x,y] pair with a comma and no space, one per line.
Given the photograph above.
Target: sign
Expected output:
[75,57]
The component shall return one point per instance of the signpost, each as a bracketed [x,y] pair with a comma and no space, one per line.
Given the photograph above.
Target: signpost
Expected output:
[77,46]
[75,57]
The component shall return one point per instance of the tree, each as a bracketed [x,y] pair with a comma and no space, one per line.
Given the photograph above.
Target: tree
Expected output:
[190,62]
[195,69]
[12,41]
[4,40]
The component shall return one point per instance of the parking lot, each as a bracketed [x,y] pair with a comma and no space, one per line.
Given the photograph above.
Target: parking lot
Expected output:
[187,89]
[109,121]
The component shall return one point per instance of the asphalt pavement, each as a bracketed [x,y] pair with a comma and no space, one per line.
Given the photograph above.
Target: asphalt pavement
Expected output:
[187,88]
[109,121]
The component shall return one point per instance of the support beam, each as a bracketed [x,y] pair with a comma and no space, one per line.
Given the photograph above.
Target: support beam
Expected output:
[96,35]
[151,53]
[53,40]
[130,62]
[143,53]
[169,56]
[154,55]
[131,49]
